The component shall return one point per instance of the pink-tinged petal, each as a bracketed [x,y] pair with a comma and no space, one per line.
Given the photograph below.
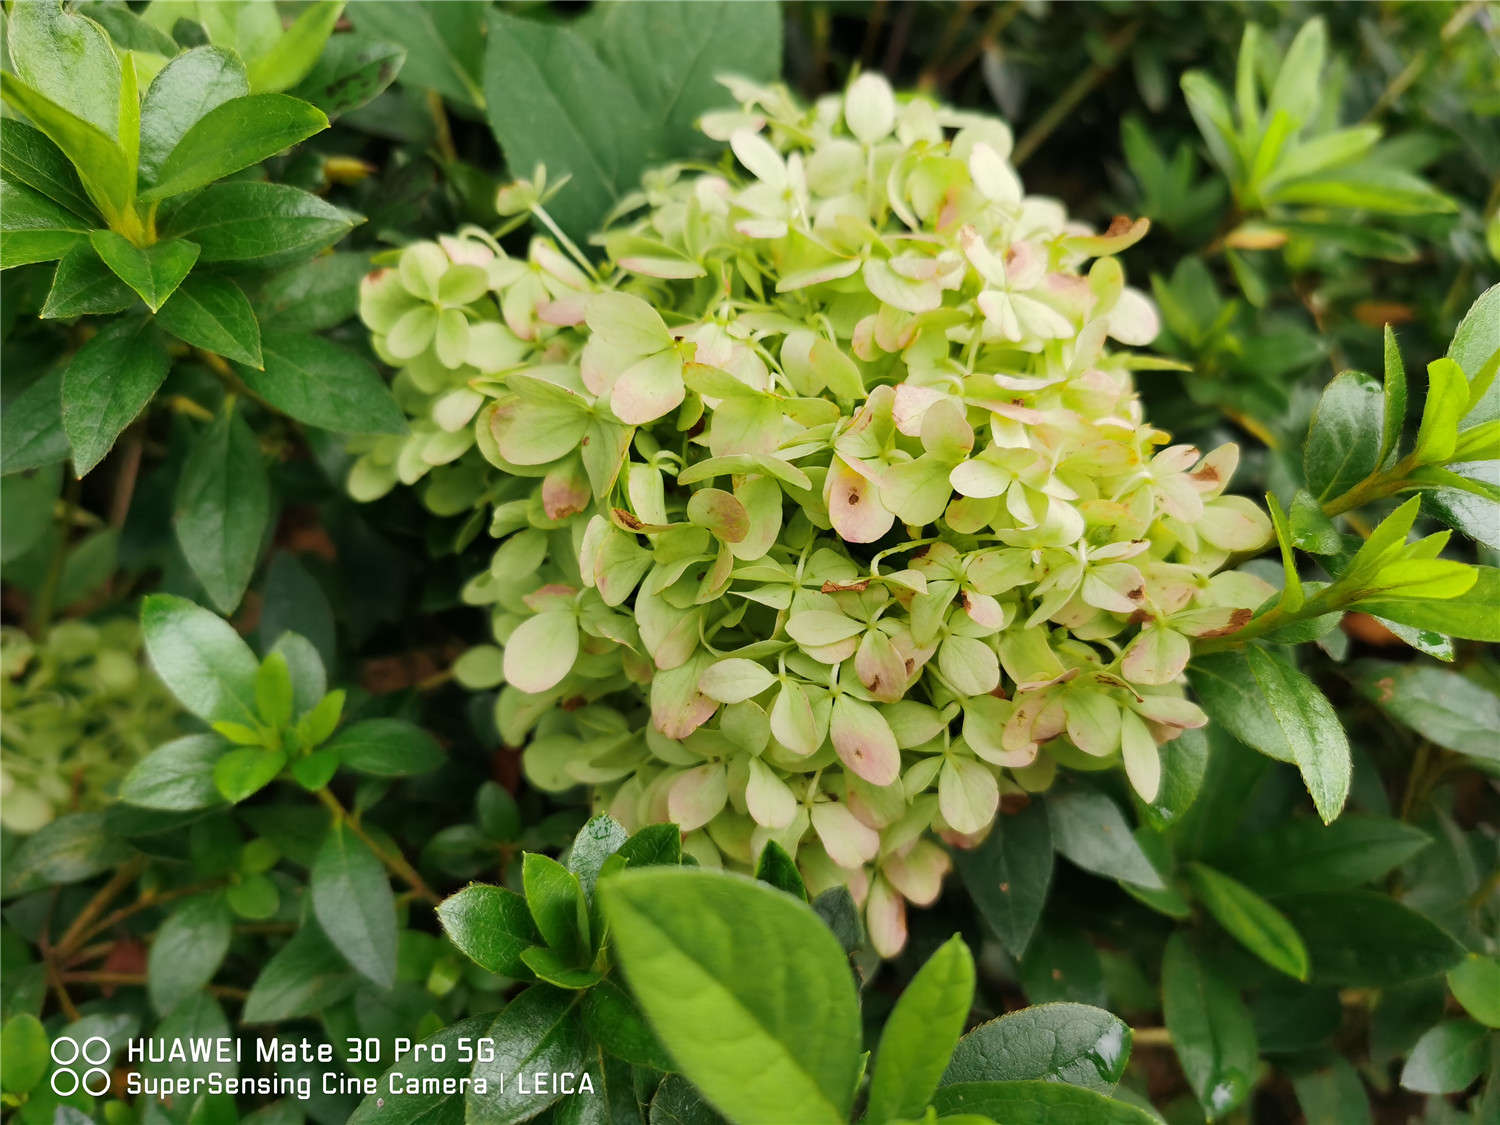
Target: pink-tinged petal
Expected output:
[1156,656]
[1171,711]
[1093,722]
[984,610]
[565,491]
[1235,523]
[1134,319]
[885,918]
[678,708]
[864,741]
[697,796]
[910,404]
[565,312]
[848,842]
[918,874]
[880,667]
[986,721]
[719,512]
[1142,760]
[854,508]
[1216,469]
[541,651]
[648,389]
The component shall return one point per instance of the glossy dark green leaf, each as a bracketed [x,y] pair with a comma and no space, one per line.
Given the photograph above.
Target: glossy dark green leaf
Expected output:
[27,505]
[127,29]
[232,135]
[387,748]
[1365,939]
[1035,1103]
[1447,1058]
[69,850]
[201,659]
[541,1030]
[1440,705]
[191,84]
[351,896]
[656,844]
[294,601]
[1270,706]
[1333,1095]
[1305,855]
[596,841]
[109,381]
[84,286]
[322,384]
[177,776]
[28,157]
[555,898]
[1253,921]
[267,224]
[153,271]
[746,988]
[1089,829]
[780,870]
[444,43]
[33,228]
[1007,876]
[552,967]
[1184,764]
[223,508]
[1073,1043]
[31,429]
[352,70]
[1062,965]
[437,1108]
[921,1032]
[1211,1029]
[303,977]
[615,1022]
[322,292]
[489,925]
[1343,442]
[187,950]
[214,314]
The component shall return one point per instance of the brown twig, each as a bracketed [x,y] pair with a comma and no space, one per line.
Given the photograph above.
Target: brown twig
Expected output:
[111,978]
[78,932]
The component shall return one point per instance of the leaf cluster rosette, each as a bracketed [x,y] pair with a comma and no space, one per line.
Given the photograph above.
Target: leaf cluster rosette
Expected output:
[827,511]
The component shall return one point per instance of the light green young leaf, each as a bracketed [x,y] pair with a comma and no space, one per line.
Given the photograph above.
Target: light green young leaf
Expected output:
[100,161]
[1254,922]
[294,54]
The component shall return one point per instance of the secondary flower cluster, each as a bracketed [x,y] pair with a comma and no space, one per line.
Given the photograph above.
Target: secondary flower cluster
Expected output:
[830,466]
[77,710]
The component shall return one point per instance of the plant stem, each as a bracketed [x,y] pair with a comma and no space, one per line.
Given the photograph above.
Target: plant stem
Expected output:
[1076,91]
[106,977]
[396,864]
[1150,1037]
[79,931]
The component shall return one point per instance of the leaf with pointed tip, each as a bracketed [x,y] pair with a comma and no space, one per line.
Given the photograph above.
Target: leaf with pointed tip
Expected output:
[109,382]
[214,314]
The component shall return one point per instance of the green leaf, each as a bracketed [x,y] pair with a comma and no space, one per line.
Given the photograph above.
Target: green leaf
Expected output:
[1253,921]
[552,967]
[316,770]
[1305,855]
[555,898]
[745,987]
[233,135]
[1393,408]
[246,771]
[1364,187]
[187,950]
[654,845]
[27,505]
[444,1105]
[1034,1103]
[1474,616]
[297,50]
[1270,706]
[31,431]
[539,1031]
[1441,705]
[264,224]
[200,658]
[109,381]
[1072,1043]
[273,691]
[921,1032]
[614,1021]
[387,748]
[23,1053]
[28,157]
[178,776]
[1344,439]
[85,286]
[1334,1095]
[1210,1027]
[352,70]
[1007,875]
[212,313]
[322,384]
[1446,1059]
[190,85]
[491,926]
[1364,939]
[1297,90]
[320,293]
[33,228]
[222,509]
[352,899]
[69,850]
[1089,829]
[304,977]
[69,59]
[779,870]
[1475,983]
[596,841]
[101,164]
[444,43]
[154,272]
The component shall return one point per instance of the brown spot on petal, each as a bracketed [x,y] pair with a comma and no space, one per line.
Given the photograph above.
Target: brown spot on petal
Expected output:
[1118,226]
[628,519]
[831,587]
[853,497]
[573,703]
[1237,621]
[1139,617]
[1137,594]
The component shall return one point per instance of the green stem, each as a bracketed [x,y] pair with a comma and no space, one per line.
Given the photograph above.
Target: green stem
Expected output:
[395,863]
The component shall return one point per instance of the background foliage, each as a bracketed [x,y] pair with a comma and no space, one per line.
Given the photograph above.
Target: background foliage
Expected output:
[181,365]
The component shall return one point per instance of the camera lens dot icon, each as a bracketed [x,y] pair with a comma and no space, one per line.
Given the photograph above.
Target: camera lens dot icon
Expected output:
[95,1050]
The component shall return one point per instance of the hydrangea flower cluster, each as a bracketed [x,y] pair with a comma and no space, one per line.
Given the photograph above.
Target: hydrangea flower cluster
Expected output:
[77,710]
[827,514]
